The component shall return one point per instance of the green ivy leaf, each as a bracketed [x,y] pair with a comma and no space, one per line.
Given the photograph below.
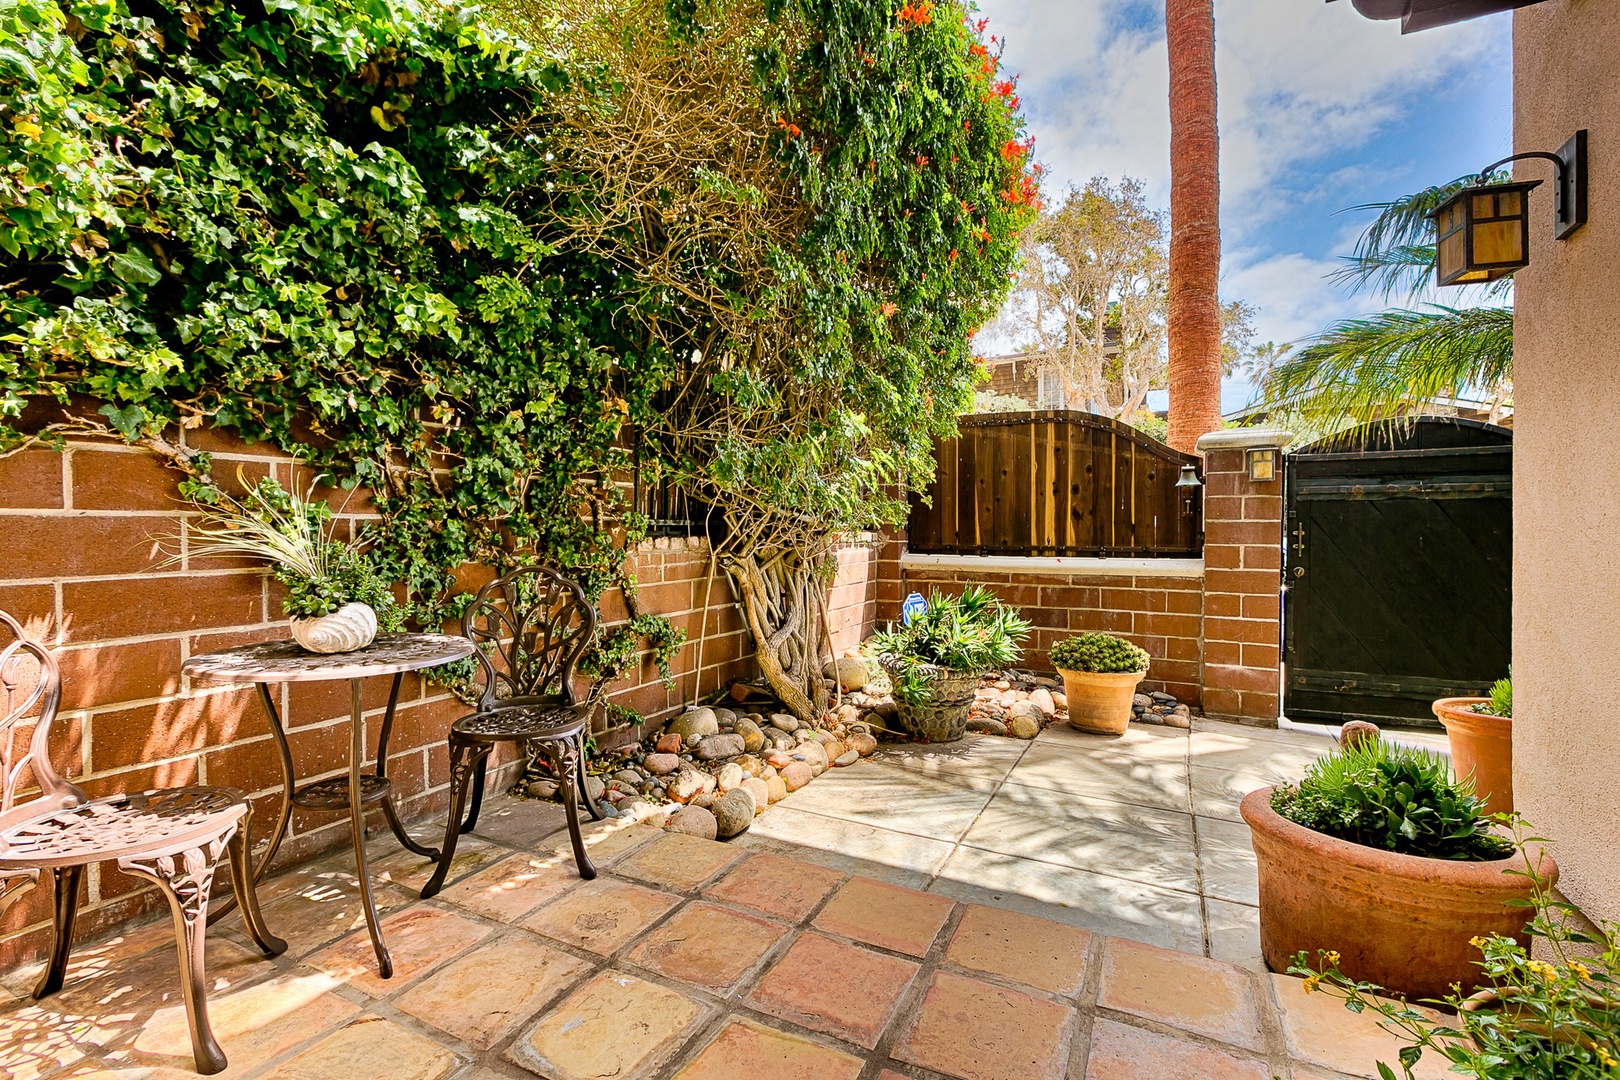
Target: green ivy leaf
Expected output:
[135,267]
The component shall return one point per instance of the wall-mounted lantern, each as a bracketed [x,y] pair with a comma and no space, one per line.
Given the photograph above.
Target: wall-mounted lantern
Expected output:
[1483,231]
[1262,464]
[1189,477]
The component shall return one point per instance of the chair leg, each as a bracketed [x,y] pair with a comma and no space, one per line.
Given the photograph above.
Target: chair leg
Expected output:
[579,775]
[462,768]
[479,771]
[66,882]
[247,894]
[185,879]
[568,761]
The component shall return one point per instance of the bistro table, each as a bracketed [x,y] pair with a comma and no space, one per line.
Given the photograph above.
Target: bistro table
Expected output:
[270,662]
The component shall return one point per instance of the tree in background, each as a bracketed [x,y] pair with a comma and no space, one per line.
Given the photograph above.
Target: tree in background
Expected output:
[1398,360]
[1090,308]
[1195,224]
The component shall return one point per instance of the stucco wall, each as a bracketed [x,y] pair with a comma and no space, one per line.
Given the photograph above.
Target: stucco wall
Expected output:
[1566,521]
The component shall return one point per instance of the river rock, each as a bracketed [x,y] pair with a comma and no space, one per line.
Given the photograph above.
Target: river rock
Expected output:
[986,725]
[1026,709]
[1357,732]
[779,759]
[1177,719]
[753,738]
[862,743]
[850,671]
[685,785]
[668,743]
[749,764]
[1061,700]
[848,757]
[594,788]
[776,788]
[694,722]
[716,747]
[784,721]
[693,821]
[761,792]
[725,716]
[815,757]
[733,813]
[796,775]
[629,778]
[730,775]
[1023,727]
[542,789]
[661,764]
[1042,700]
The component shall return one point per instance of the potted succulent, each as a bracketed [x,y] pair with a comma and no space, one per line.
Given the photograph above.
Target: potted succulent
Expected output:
[1544,1017]
[1480,731]
[1100,673]
[335,601]
[1380,855]
[935,660]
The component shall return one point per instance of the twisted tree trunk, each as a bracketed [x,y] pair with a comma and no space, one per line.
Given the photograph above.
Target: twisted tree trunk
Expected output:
[1195,225]
[780,598]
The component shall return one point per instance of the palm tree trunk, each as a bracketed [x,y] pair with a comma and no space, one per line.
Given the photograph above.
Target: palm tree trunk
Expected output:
[1195,225]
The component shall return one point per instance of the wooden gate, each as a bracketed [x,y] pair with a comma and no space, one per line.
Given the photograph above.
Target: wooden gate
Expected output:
[1398,569]
[1056,482]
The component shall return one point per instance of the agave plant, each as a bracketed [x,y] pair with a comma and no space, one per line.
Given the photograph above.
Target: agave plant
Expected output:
[964,634]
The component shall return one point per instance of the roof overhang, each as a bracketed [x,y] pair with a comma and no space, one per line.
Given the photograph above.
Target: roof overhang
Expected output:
[1422,14]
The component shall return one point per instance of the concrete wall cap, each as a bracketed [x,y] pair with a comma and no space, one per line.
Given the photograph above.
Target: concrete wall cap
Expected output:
[1244,439]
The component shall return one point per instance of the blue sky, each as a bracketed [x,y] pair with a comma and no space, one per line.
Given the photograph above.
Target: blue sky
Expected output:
[1320,110]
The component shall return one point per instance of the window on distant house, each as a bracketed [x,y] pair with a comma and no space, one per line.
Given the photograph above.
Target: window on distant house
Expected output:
[1050,392]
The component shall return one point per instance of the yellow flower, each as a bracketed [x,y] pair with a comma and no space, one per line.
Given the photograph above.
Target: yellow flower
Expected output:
[1477,942]
[1331,957]
[1580,969]
[1606,1058]
[1540,967]
[1311,983]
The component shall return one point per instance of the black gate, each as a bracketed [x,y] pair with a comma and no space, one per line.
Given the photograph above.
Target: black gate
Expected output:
[1398,569]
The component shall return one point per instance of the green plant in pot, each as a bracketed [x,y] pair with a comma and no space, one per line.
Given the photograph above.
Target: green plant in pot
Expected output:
[1100,674]
[1547,1013]
[936,660]
[335,600]
[1380,855]
[1480,730]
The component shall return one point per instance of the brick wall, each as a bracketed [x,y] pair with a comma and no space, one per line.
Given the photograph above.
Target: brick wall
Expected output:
[1161,613]
[82,531]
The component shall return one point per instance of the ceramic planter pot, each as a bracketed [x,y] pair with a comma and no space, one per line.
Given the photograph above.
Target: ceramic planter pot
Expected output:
[1400,921]
[1481,747]
[1100,702]
[352,626]
[943,717]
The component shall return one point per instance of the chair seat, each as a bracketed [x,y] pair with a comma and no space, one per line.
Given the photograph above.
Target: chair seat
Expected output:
[148,823]
[521,720]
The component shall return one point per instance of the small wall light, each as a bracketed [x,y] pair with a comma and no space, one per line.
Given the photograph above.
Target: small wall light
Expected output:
[1483,231]
[1262,462]
[1189,477]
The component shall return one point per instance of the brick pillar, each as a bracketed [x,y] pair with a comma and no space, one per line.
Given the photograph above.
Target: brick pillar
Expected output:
[1242,578]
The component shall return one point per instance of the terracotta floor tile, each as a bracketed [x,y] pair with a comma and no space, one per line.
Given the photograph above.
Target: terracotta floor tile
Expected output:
[606,842]
[323,908]
[1187,992]
[677,861]
[484,995]
[744,1049]
[707,945]
[393,865]
[601,915]
[786,888]
[1037,952]
[512,887]
[1120,1052]
[32,1044]
[615,1026]
[369,1049]
[1319,1030]
[417,937]
[836,988]
[975,1031]
[885,915]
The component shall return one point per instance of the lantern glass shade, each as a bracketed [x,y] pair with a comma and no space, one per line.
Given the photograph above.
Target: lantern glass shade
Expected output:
[1483,233]
[1262,464]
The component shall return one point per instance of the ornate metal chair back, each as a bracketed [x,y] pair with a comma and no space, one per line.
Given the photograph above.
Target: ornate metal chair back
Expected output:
[531,627]
[30,686]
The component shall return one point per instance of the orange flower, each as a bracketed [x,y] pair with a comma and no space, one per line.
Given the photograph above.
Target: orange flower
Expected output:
[890,310]
[954,254]
[922,159]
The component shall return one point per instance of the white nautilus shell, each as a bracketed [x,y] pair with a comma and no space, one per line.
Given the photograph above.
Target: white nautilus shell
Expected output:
[352,626]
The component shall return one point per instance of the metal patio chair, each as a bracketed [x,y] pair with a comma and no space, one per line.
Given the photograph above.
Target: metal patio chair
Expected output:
[172,837]
[530,628]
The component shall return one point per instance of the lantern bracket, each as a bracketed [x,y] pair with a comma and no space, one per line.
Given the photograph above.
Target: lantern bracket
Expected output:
[1569,207]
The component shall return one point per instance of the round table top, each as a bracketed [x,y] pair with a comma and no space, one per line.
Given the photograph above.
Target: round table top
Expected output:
[287,661]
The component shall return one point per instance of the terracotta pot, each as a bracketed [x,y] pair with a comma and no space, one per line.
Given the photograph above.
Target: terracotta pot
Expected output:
[1481,747]
[1100,702]
[1400,921]
[944,716]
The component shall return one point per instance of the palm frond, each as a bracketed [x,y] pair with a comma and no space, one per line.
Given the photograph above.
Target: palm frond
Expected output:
[1396,251]
[1392,362]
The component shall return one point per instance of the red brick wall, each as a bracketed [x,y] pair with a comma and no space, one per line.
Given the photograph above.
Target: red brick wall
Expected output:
[1162,614]
[81,532]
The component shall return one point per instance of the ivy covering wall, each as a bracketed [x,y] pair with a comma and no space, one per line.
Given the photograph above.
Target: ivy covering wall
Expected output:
[445,254]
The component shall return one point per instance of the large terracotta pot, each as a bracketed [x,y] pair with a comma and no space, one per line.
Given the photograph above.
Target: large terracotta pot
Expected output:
[1481,747]
[1100,702]
[1400,921]
[944,716]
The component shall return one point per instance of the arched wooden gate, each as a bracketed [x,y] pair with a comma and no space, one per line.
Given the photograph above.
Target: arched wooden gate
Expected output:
[1398,569]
